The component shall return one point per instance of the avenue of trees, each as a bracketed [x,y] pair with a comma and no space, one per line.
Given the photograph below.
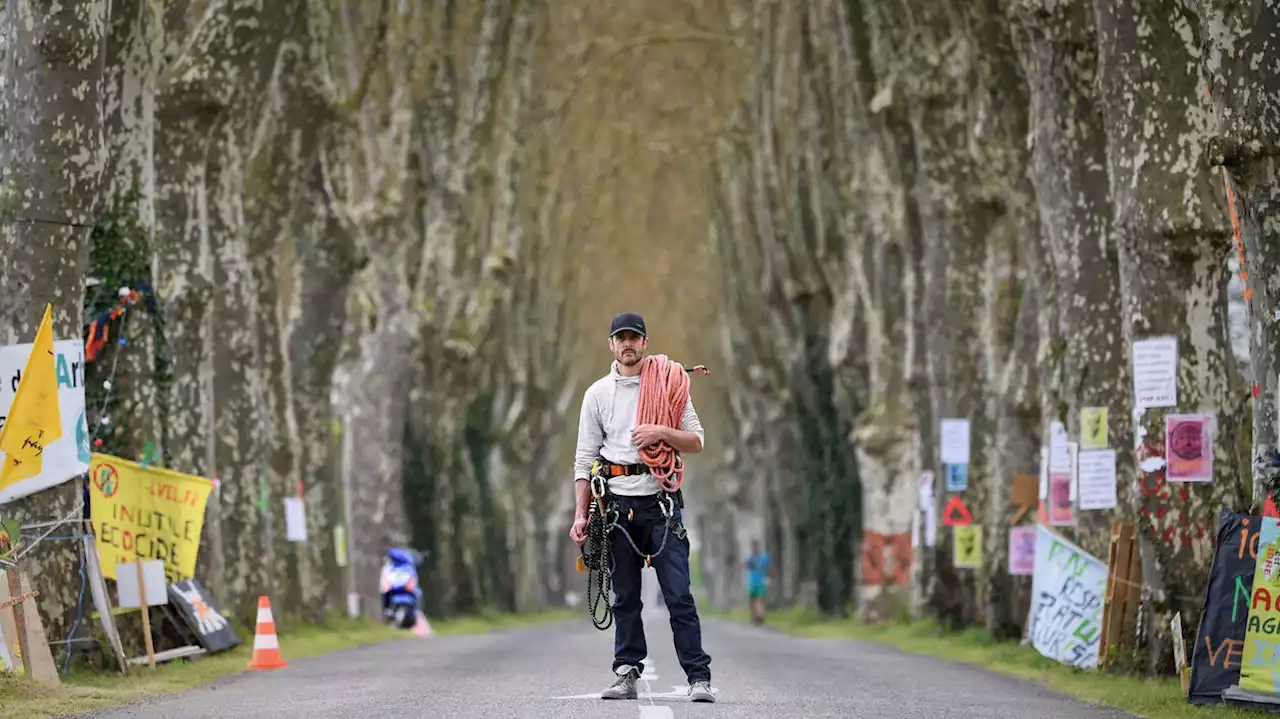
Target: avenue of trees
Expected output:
[384,238]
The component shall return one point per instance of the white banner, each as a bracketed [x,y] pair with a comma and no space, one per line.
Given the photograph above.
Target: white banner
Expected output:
[68,456]
[1067,586]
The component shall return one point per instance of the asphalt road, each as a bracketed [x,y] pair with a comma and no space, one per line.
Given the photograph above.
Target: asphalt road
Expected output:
[558,671]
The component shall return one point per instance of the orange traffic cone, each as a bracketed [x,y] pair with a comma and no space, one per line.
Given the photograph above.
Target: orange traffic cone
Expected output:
[422,627]
[266,647]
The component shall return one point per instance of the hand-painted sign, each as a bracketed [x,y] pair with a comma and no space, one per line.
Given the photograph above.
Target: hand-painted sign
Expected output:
[1066,601]
[1260,666]
[1219,644]
[212,629]
[147,513]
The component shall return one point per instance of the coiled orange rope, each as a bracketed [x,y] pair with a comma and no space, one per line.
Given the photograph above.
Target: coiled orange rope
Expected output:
[664,394]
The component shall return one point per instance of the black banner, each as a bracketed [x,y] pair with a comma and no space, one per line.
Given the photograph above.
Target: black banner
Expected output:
[1219,647]
[212,629]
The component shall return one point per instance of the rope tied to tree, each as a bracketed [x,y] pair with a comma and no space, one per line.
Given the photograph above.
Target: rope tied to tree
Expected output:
[664,395]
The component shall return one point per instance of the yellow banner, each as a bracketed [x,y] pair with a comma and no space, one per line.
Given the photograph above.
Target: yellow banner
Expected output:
[148,513]
[1260,666]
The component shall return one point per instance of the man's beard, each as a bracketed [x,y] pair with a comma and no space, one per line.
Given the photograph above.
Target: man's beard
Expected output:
[630,360]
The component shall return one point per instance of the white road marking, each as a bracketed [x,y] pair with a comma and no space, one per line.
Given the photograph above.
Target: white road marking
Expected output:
[656,712]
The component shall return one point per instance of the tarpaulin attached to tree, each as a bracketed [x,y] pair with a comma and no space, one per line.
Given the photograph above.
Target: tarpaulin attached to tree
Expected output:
[1219,646]
[146,513]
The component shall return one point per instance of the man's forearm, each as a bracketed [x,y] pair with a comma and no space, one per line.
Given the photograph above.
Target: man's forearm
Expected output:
[683,441]
[582,496]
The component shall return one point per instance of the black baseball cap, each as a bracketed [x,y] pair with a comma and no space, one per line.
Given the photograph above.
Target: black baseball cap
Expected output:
[627,321]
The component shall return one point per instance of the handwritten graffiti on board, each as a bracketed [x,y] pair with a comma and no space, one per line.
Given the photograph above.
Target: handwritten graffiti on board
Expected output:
[886,558]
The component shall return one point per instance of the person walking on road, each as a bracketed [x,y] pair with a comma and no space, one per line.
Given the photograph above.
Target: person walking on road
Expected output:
[649,527]
[757,581]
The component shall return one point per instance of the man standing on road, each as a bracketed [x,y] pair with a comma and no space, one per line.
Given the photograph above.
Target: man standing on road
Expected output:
[607,432]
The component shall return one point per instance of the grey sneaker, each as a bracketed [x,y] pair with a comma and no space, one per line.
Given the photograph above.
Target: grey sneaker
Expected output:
[700,691]
[625,685]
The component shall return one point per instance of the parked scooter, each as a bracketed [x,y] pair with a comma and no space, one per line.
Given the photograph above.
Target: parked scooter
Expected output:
[401,595]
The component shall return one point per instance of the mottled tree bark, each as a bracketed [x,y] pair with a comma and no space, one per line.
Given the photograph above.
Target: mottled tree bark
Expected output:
[1055,44]
[1241,59]
[53,161]
[1172,238]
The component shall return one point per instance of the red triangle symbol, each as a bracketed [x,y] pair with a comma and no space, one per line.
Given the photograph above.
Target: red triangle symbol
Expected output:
[1269,509]
[955,506]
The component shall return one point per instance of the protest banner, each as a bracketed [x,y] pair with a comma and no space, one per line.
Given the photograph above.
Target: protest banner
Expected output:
[68,456]
[1067,587]
[1260,670]
[1219,643]
[148,513]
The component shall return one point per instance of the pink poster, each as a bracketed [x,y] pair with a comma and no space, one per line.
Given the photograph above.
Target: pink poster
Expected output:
[1022,550]
[1060,513]
[1188,445]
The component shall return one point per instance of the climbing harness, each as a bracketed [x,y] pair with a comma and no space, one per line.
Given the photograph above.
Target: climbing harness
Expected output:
[661,461]
[597,552]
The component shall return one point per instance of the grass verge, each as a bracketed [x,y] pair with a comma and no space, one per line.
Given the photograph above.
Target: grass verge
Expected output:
[85,690]
[1161,697]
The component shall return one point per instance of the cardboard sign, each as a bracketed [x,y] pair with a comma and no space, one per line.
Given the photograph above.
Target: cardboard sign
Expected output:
[212,630]
[1219,644]
[1024,494]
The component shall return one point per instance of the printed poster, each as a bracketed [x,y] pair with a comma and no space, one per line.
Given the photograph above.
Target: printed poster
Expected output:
[967,549]
[1097,479]
[1093,428]
[957,477]
[1155,372]
[1067,586]
[68,456]
[1189,447]
[148,513]
[1022,550]
[1259,669]
[1059,507]
[955,441]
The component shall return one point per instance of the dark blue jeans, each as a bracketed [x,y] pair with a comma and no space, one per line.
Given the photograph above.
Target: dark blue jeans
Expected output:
[646,528]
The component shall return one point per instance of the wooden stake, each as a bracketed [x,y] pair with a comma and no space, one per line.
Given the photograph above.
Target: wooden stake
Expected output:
[146,614]
[19,620]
